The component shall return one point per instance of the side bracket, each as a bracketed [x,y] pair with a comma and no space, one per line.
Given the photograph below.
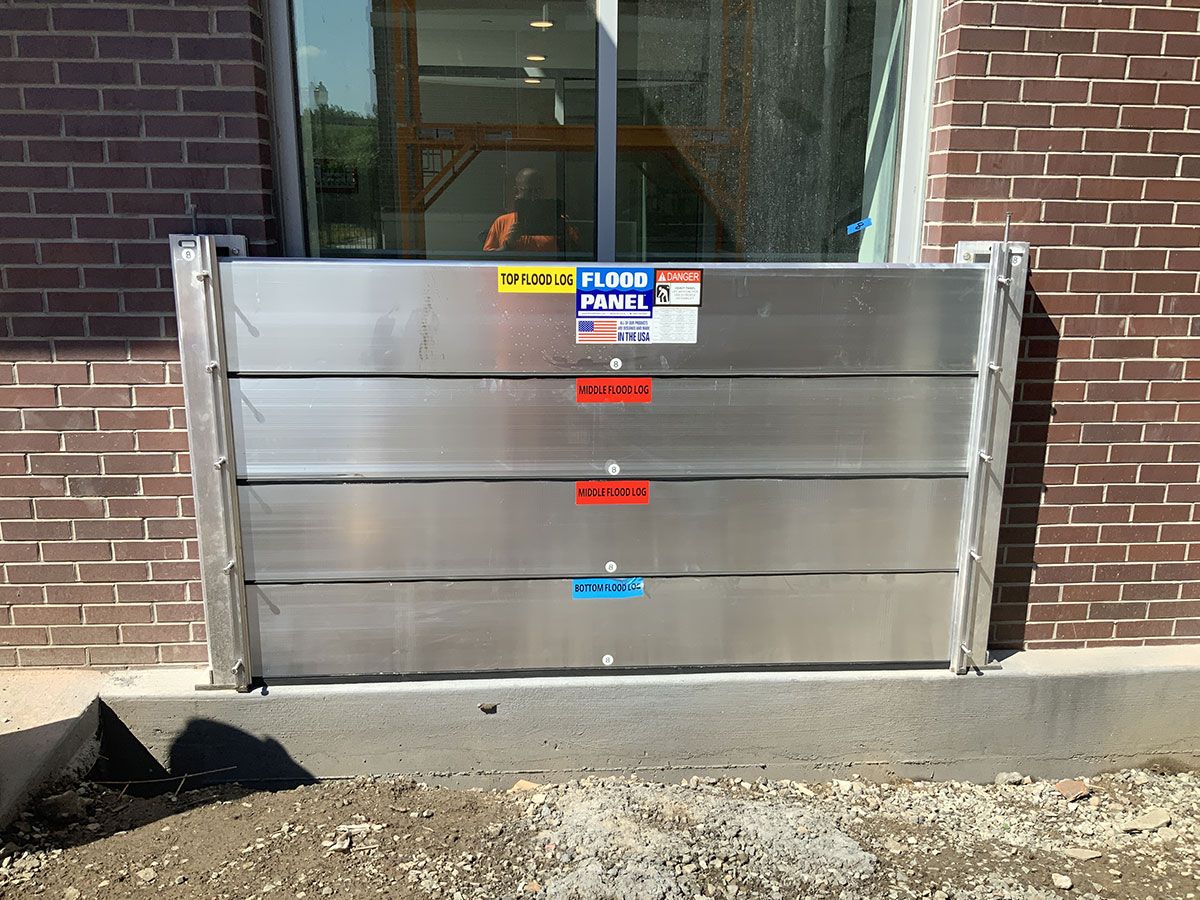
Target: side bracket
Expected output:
[999,346]
[206,393]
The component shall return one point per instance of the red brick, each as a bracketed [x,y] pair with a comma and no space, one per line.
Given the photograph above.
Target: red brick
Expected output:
[52,656]
[122,656]
[45,615]
[155,634]
[118,614]
[183,653]
[40,573]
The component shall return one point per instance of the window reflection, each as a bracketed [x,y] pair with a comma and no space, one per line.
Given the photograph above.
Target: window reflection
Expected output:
[418,118]
[746,129]
[756,130]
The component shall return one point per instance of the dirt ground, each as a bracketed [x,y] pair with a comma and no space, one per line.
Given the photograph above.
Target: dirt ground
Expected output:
[1132,834]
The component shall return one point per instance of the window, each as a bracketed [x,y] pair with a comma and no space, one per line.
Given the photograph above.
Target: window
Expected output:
[744,129]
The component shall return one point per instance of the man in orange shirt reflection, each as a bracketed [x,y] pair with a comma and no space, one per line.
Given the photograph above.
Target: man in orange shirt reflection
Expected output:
[535,226]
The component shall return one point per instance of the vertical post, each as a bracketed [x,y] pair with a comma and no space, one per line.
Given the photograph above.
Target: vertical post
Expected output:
[606,130]
[286,126]
[206,396]
[991,417]
[916,125]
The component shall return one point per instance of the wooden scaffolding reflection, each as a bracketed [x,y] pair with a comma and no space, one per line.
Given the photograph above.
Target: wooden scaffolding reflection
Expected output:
[430,156]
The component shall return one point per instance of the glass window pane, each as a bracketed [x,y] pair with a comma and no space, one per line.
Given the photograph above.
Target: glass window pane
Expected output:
[756,131]
[442,129]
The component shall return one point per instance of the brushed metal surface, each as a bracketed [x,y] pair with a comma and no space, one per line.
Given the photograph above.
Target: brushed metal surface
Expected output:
[198,304]
[358,317]
[447,529]
[395,428]
[472,626]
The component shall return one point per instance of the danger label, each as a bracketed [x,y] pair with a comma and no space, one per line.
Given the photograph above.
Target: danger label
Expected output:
[590,493]
[677,287]
[613,390]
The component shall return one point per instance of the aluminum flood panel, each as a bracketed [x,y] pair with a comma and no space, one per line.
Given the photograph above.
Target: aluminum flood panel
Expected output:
[397,428]
[501,529]
[360,317]
[478,626]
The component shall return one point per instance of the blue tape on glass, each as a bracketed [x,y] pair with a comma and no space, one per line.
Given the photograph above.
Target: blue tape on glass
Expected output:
[858,226]
[607,588]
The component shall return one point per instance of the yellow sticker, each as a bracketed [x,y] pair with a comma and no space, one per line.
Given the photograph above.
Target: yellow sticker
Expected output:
[535,280]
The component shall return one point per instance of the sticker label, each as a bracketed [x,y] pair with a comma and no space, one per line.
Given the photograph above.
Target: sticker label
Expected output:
[677,287]
[612,493]
[613,390]
[607,588]
[604,292]
[859,226]
[535,280]
[674,325]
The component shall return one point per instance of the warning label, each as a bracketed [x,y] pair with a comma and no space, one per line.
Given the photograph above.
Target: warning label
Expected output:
[607,588]
[613,390]
[677,287]
[615,493]
[535,280]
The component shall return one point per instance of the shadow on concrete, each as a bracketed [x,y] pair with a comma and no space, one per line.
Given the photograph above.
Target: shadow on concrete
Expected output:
[128,787]
[205,753]
[1024,480]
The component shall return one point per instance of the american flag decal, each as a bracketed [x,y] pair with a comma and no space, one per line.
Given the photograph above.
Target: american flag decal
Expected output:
[595,331]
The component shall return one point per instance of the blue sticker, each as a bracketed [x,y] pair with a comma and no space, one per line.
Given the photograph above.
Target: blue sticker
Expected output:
[607,588]
[858,226]
[614,292]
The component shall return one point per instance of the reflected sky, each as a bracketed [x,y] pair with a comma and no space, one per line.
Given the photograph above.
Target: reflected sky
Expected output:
[333,45]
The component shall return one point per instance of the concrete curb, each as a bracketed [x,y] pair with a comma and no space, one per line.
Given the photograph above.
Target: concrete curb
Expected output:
[1046,713]
[52,736]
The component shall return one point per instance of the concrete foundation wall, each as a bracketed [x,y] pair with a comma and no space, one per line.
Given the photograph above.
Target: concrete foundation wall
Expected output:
[1052,713]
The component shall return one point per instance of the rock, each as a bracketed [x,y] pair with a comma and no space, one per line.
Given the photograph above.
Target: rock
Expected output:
[63,807]
[1009,778]
[1082,853]
[146,875]
[537,799]
[1168,834]
[1062,882]
[893,846]
[1072,789]
[71,893]
[532,887]
[1151,820]
[523,786]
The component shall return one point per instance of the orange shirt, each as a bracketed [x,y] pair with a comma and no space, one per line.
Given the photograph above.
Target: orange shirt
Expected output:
[502,228]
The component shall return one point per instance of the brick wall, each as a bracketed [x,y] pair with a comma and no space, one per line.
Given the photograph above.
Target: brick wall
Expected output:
[1083,120]
[114,119]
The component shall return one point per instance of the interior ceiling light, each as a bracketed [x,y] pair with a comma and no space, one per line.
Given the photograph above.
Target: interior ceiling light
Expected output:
[535,57]
[533,81]
[545,21]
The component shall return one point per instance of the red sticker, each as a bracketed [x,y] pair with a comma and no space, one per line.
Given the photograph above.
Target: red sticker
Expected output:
[613,390]
[589,493]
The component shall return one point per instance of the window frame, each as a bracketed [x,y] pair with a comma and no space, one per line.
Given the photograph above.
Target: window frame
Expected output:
[912,164]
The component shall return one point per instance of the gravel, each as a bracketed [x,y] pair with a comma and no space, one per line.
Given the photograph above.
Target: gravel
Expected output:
[621,837]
